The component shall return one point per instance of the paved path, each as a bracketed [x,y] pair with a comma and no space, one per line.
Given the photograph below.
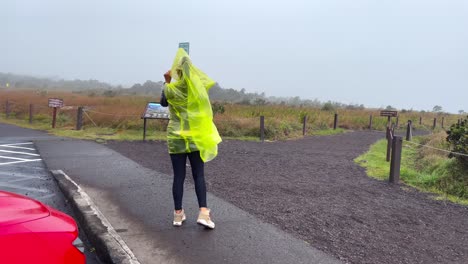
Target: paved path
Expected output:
[138,203]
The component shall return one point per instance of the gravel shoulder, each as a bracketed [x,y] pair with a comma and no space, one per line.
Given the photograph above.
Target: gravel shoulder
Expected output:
[312,188]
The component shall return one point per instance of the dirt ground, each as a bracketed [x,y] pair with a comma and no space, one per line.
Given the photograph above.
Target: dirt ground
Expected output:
[312,188]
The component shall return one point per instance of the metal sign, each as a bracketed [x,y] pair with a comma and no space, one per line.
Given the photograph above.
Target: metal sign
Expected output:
[156,111]
[185,46]
[55,102]
[389,113]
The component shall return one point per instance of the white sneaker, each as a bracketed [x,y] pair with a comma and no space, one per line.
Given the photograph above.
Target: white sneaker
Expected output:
[205,220]
[179,218]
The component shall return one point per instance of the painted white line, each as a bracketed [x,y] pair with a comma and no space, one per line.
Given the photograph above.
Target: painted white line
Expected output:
[47,196]
[14,144]
[3,146]
[16,152]
[19,174]
[19,187]
[21,179]
[14,175]
[13,158]
[14,162]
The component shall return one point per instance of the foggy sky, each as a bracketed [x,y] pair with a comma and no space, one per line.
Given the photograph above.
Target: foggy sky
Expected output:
[404,53]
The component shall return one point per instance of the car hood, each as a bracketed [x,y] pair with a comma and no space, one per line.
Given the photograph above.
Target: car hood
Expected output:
[16,209]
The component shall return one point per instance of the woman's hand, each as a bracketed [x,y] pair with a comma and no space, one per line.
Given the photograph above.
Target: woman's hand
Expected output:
[167,76]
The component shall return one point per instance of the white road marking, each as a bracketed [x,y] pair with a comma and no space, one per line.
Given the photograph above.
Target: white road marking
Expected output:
[22,153]
[14,144]
[13,158]
[22,179]
[47,196]
[6,146]
[23,188]
[20,175]
[14,162]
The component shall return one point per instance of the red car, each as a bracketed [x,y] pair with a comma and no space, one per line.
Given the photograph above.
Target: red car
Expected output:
[31,232]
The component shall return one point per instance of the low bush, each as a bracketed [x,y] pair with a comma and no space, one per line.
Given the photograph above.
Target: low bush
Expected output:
[457,137]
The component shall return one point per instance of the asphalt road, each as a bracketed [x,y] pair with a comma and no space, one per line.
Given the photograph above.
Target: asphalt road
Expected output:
[22,171]
[138,203]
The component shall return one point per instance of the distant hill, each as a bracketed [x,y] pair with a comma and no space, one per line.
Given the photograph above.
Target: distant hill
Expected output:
[153,89]
[29,82]
[148,88]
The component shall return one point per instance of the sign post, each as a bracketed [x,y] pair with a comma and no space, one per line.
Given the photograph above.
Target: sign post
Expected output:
[389,115]
[55,103]
[185,46]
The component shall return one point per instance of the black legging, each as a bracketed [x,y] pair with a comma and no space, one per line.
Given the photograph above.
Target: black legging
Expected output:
[178,164]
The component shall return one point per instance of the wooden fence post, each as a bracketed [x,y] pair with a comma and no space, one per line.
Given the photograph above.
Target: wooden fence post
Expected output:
[304,126]
[144,129]
[443,122]
[79,118]
[7,109]
[435,123]
[397,121]
[389,143]
[420,120]
[54,117]
[335,121]
[370,122]
[409,131]
[31,110]
[397,145]
[262,128]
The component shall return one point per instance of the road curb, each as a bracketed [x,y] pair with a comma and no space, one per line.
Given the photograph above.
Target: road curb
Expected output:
[110,247]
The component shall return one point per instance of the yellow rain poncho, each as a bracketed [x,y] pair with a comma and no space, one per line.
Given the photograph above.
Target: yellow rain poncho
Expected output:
[191,126]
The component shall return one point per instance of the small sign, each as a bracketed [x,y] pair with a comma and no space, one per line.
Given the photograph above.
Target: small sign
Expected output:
[389,113]
[55,102]
[185,46]
[156,111]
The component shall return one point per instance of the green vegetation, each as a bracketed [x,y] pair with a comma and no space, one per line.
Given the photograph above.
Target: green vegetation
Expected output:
[122,113]
[426,169]
[458,139]
[92,133]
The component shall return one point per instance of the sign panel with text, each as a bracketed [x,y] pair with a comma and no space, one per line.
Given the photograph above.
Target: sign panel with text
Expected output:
[55,102]
[156,111]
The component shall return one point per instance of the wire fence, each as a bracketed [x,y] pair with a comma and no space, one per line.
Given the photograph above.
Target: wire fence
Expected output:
[438,149]
[257,124]
[278,124]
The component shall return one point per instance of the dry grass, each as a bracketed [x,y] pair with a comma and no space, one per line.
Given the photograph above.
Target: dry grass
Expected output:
[123,113]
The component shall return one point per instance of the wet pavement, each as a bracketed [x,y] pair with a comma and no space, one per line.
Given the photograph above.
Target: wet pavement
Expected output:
[138,203]
[22,171]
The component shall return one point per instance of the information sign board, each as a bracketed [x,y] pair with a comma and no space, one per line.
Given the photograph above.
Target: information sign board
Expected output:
[156,111]
[389,113]
[55,102]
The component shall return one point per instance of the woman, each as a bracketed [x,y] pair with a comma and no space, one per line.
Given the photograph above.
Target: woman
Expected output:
[191,132]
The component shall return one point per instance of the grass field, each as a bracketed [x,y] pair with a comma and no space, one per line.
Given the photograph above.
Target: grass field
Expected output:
[423,168]
[120,115]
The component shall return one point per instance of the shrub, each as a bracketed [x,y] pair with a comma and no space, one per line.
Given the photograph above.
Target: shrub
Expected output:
[458,139]
[63,119]
[218,108]
[302,114]
[109,93]
[328,107]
